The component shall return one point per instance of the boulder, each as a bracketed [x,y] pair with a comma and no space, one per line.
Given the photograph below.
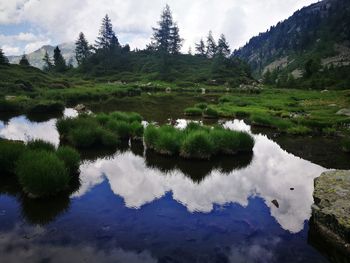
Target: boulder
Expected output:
[345,112]
[80,108]
[331,210]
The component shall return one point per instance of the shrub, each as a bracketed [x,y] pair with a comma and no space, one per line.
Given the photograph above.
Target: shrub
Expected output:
[41,145]
[70,157]
[210,113]
[42,173]
[10,152]
[193,111]
[197,145]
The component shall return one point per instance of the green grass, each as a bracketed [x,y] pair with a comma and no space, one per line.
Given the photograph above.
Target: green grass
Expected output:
[193,111]
[88,131]
[290,111]
[41,145]
[10,152]
[70,157]
[196,141]
[197,145]
[42,173]
[210,113]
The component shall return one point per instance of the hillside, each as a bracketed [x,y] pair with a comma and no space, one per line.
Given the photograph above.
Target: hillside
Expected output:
[36,58]
[319,33]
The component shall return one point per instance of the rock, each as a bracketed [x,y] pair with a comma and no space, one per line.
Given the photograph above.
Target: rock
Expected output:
[275,202]
[331,211]
[345,112]
[80,108]
[168,90]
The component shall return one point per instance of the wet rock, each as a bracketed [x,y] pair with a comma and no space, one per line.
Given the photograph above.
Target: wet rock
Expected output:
[275,202]
[331,211]
[345,112]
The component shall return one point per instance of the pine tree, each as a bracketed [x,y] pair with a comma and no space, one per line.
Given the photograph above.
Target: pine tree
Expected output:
[211,45]
[24,61]
[3,58]
[82,49]
[223,48]
[175,40]
[166,37]
[60,63]
[107,38]
[200,48]
[47,62]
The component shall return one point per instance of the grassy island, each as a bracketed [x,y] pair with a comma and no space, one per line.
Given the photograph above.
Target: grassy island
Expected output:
[108,130]
[197,141]
[40,168]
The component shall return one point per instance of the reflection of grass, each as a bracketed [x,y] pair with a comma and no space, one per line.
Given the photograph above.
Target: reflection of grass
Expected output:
[196,141]
[346,145]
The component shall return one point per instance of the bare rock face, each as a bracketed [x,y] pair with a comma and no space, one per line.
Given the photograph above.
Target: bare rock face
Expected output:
[331,211]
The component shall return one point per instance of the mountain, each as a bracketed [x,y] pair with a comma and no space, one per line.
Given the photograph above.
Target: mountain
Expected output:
[36,58]
[316,36]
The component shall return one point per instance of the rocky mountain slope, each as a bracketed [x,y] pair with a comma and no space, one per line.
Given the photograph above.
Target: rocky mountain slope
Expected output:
[320,32]
[36,58]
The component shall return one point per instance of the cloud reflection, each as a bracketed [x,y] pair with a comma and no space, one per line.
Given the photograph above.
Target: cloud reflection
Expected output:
[271,174]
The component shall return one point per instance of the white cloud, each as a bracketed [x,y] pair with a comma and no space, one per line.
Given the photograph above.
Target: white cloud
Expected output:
[11,50]
[133,19]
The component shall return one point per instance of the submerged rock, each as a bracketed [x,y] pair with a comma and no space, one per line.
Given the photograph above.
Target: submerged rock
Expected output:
[331,211]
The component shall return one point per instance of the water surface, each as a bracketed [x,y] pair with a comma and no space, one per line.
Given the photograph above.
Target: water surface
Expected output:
[136,206]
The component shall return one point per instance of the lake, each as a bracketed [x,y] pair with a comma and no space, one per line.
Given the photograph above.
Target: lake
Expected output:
[133,205]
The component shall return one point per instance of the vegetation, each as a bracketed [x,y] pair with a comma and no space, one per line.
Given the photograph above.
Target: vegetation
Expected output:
[87,131]
[346,145]
[41,173]
[40,169]
[196,141]
[295,112]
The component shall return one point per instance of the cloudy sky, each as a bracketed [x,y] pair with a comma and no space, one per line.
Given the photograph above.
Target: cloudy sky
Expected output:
[26,25]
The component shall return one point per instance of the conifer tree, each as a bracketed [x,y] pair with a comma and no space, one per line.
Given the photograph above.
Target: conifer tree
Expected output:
[24,61]
[59,62]
[47,62]
[166,37]
[3,58]
[200,48]
[223,48]
[107,38]
[211,45]
[82,49]
[175,40]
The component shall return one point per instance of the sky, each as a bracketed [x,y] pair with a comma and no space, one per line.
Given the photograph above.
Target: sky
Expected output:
[27,25]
